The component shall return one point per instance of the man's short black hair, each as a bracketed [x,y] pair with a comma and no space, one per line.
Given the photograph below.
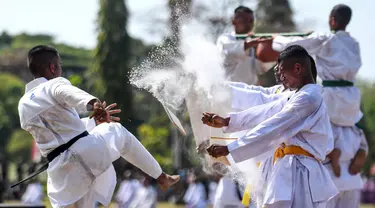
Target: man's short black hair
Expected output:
[243,9]
[314,72]
[39,58]
[295,54]
[342,14]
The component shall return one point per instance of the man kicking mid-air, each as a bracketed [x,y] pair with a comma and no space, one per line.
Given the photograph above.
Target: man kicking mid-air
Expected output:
[80,171]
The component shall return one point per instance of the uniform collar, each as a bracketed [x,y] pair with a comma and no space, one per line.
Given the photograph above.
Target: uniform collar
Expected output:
[312,85]
[31,85]
[340,32]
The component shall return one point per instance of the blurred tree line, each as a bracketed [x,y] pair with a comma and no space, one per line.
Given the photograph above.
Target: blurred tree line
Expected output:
[103,71]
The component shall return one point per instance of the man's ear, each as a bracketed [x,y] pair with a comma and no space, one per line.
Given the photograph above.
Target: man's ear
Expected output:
[233,21]
[52,68]
[297,68]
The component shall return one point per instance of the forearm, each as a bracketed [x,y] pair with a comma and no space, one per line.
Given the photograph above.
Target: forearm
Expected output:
[311,43]
[277,129]
[79,99]
[244,86]
[246,96]
[71,96]
[263,138]
[280,42]
[253,116]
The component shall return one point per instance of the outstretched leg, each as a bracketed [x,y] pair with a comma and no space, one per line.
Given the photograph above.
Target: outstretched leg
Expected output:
[123,143]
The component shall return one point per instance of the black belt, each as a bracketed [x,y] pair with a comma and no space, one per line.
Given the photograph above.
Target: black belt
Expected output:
[238,190]
[51,156]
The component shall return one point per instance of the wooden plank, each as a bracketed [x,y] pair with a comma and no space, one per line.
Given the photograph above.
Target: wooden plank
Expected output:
[223,138]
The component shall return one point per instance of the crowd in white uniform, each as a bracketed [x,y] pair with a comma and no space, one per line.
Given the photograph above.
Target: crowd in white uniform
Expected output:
[337,58]
[218,194]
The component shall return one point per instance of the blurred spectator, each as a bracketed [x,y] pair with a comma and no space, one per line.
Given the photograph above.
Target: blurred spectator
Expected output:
[368,192]
[145,196]
[128,188]
[212,187]
[34,192]
[195,196]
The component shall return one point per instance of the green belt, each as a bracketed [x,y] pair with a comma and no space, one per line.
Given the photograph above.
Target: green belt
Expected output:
[360,126]
[337,83]
[340,83]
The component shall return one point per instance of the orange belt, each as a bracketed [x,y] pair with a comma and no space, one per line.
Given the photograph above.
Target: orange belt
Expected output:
[290,150]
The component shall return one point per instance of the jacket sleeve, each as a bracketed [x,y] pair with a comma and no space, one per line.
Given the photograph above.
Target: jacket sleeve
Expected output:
[67,94]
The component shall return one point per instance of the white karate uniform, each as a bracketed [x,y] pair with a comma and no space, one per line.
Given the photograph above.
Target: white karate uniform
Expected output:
[338,57]
[33,194]
[126,192]
[241,65]
[244,97]
[145,197]
[226,194]
[349,140]
[212,187]
[296,180]
[195,196]
[84,173]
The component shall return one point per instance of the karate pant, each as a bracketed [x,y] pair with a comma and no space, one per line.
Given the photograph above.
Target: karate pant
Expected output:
[86,201]
[301,194]
[346,199]
[120,142]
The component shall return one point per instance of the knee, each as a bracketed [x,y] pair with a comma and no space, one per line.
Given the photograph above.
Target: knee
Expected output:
[118,128]
[116,125]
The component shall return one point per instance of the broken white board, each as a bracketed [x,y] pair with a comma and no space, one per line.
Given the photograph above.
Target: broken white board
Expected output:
[175,120]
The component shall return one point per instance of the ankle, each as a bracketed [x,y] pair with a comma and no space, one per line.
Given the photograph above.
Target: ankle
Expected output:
[161,178]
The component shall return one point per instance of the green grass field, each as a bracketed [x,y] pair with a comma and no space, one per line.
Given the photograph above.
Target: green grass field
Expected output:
[368,206]
[160,205]
[167,205]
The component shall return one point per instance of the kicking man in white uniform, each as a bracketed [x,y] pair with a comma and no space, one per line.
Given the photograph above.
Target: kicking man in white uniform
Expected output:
[80,171]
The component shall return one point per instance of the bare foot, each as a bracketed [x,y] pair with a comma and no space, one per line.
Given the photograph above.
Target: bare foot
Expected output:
[165,181]
[336,168]
[335,156]
[358,162]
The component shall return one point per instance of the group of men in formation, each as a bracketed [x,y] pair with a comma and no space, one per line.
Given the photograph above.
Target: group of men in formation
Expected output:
[314,149]
[308,134]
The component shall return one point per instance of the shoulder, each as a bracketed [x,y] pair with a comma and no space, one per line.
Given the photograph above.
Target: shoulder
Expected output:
[276,89]
[22,101]
[59,81]
[310,94]
[321,35]
[225,37]
[354,41]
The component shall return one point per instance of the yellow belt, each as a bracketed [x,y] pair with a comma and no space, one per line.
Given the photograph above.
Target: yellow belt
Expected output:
[246,195]
[279,153]
[290,150]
